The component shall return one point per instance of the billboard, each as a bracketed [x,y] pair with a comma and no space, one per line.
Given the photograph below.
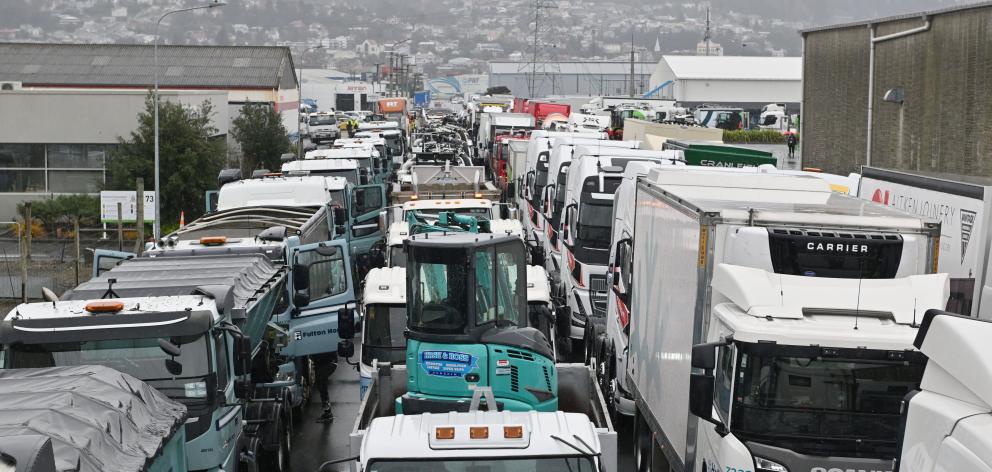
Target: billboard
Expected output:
[465,84]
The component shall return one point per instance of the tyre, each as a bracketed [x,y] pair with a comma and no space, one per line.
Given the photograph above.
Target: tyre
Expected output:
[607,379]
[278,459]
[249,456]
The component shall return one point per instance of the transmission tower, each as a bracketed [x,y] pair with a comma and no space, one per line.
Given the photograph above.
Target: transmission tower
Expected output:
[539,58]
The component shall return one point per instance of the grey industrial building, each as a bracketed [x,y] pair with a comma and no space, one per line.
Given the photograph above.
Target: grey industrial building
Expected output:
[908,92]
[587,79]
[64,106]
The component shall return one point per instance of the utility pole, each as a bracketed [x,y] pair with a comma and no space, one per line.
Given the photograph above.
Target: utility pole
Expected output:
[706,36]
[631,63]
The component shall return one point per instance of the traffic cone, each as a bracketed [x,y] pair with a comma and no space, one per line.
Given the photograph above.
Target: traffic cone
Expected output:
[182,219]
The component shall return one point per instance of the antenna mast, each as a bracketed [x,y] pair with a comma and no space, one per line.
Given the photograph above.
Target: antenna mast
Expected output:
[706,36]
[536,46]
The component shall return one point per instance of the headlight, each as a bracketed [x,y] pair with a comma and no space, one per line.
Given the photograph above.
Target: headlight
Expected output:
[764,465]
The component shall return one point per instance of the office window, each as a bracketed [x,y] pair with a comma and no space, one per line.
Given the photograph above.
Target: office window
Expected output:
[75,181]
[22,180]
[53,168]
[22,155]
[76,156]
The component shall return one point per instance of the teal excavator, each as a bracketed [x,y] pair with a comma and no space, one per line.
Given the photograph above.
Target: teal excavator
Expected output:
[467,321]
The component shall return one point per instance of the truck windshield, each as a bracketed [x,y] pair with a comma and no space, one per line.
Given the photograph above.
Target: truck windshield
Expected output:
[480,213]
[501,464]
[140,358]
[322,120]
[822,406]
[559,203]
[384,339]
[592,231]
[541,176]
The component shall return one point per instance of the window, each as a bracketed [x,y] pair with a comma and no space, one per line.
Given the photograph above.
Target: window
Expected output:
[220,351]
[367,200]
[22,155]
[22,180]
[56,168]
[485,305]
[724,381]
[327,272]
[75,181]
[510,286]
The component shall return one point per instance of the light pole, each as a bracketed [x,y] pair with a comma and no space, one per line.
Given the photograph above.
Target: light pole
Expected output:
[157,226]
[299,91]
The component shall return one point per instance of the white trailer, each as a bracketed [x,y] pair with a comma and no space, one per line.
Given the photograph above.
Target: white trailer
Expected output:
[964,209]
[947,422]
[810,283]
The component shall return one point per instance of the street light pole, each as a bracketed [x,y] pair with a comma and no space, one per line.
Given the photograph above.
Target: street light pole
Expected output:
[157,226]
[299,91]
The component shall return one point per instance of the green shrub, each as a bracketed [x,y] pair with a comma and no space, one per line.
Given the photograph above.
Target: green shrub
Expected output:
[758,136]
[61,209]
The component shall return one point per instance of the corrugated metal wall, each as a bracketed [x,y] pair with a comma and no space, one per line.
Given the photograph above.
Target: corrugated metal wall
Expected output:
[945,123]
[835,97]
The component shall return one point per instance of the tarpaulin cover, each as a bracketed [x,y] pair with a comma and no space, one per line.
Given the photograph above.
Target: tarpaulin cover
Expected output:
[99,419]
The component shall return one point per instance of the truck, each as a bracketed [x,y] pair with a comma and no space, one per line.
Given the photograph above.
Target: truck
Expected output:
[774,116]
[368,159]
[542,110]
[579,122]
[418,181]
[720,155]
[492,125]
[796,293]
[578,437]
[394,110]
[946,421]
[508,163]
[56,418]
[593,177]
[322,127]
[206,348]
[552,196]
[725,118]
[964,209]
[611,351]
[394,138]
[380,144]
[348,169]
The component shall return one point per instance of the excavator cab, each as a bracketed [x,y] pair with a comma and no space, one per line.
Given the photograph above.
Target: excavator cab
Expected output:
[467,326]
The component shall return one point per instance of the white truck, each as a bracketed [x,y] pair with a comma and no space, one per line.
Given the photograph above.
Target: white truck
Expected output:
[964,209]
[803,300]
[579,437]
[322,127]
[947,422]
[593,177]
[581,122]
[774,117]
[552,194]
[346,168]
[611,352]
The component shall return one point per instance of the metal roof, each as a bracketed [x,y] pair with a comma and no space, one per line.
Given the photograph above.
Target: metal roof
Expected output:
[132,65]
[941,11]
[735,67]
[578,68]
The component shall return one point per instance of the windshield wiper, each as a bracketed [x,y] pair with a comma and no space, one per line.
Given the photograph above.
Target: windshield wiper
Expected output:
[588,453]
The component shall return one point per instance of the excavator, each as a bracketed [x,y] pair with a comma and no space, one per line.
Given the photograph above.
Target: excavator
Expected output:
[467,325]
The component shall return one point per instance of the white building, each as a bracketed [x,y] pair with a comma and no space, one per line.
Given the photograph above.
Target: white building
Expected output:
[749,82]
[715,49]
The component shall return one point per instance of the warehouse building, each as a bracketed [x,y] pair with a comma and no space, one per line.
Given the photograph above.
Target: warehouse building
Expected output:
[748,82]
[585,79]
[63,107]
[907,92]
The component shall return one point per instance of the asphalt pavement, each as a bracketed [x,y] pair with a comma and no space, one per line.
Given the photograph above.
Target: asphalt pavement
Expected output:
[316,442]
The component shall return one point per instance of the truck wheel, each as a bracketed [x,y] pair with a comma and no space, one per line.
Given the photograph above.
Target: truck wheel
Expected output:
[248,458]
[278,460]
[607,380]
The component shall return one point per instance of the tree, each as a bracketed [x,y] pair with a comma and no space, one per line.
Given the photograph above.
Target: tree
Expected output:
[190,157]
[261,135]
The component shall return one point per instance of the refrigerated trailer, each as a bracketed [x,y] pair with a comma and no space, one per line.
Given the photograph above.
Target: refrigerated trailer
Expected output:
[964,209]
[789,292]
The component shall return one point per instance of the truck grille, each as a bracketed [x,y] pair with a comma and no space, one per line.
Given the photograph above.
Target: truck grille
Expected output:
[597,294]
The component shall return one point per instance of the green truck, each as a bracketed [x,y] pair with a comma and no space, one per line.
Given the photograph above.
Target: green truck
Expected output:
[720,155]
[88,419]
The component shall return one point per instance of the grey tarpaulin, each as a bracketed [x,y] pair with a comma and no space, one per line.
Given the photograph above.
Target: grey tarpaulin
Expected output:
[97,417]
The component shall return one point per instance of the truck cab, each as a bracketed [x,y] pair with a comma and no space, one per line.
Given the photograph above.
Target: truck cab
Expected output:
[322,127]
[383,308]
[384,159]
[367,158]
[806,373]
[552,194]
[393,139]
[587,217]
[349,169]
[182,346]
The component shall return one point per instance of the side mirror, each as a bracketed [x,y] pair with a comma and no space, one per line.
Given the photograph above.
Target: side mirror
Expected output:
[383,221]
[704,355]
[514,213]
[346,323]
[301,298]
[346,348]
[339,215]
[301,277]
[563,320]
[701,396]
[242,355]
[363,176]
[339,230]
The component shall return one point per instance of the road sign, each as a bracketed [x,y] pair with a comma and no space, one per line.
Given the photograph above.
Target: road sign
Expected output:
[129,206]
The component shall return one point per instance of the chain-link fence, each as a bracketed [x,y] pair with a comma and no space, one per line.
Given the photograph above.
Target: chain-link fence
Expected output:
[53,264]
